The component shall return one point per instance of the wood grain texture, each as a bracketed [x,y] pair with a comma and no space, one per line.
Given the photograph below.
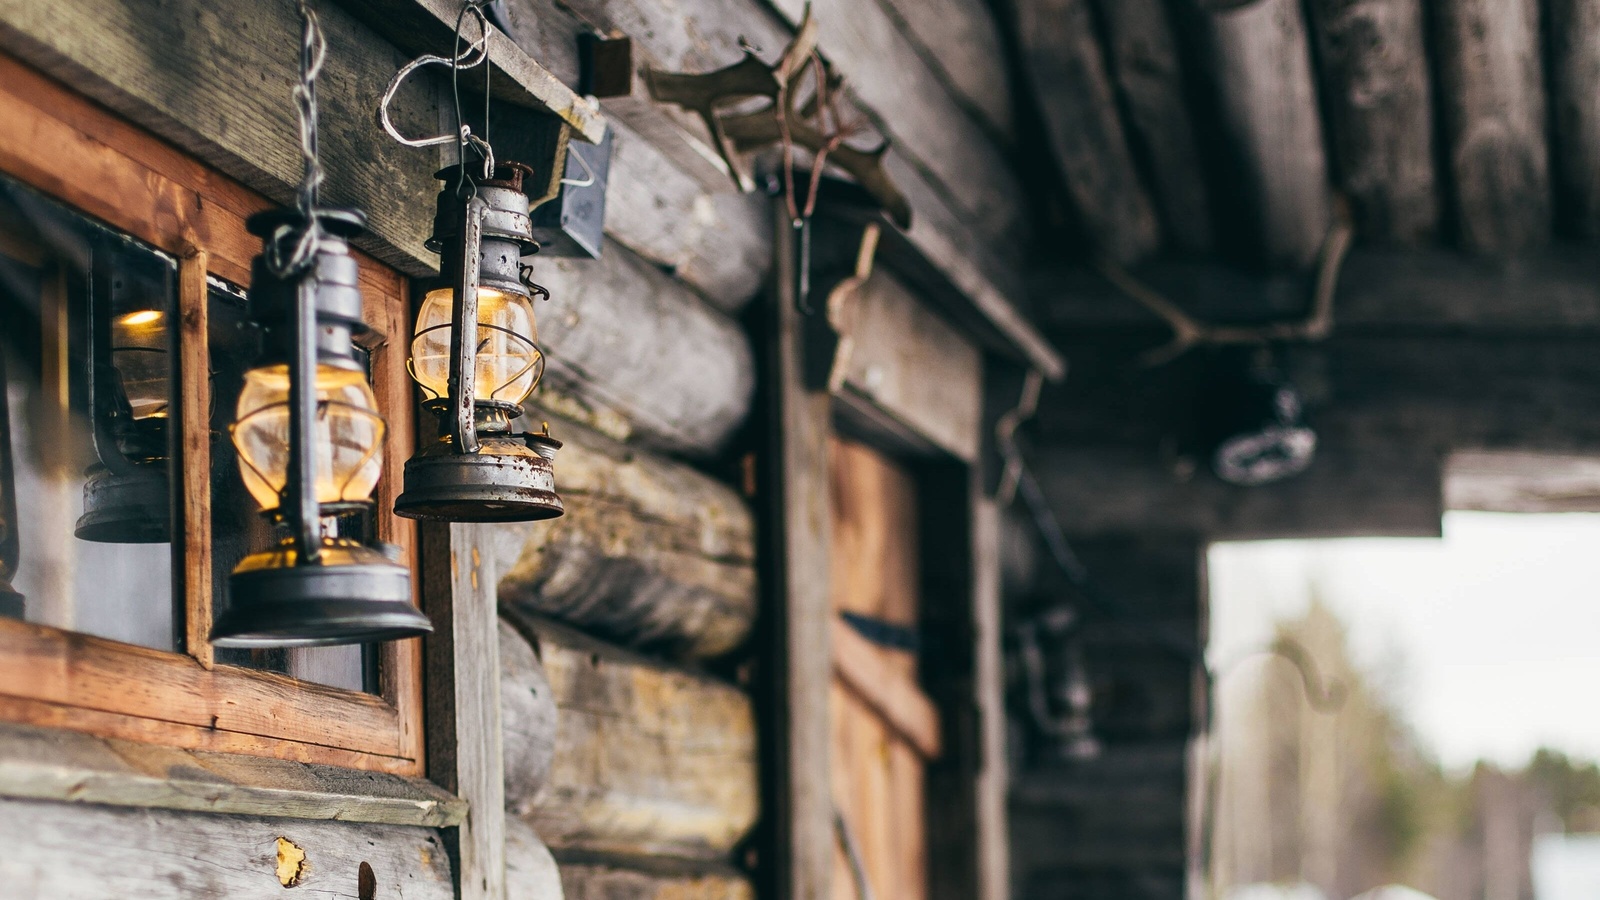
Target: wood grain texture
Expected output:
[1574,35]
[960,41]
[462,697]
[879,791]
[915,366]
[797,522]
[1492,103]
[1142,55]
[1373,62]
[1261,60]
[531,872]
[989,770]
[192,555]
[599,881]
[528,720]
[625,336]
[224,93]
[56,850]
[1068,68]
[649,761]
[46,764]
[650,554]
[714,241]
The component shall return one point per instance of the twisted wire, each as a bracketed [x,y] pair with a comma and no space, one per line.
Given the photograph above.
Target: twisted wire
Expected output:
[294,245]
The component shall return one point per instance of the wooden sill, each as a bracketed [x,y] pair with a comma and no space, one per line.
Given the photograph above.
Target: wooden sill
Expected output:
[48,764]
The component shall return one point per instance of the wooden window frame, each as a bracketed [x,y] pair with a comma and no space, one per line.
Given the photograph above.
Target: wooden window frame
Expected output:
[64,145]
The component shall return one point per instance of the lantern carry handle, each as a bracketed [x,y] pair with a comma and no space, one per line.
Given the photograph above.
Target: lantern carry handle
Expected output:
[464,334]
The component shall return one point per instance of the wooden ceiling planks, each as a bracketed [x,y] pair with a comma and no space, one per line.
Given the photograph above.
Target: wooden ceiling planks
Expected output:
[1064,60]
[1143,55]
[1260,57]
[1373,63]
[1574,30]
[1492,102]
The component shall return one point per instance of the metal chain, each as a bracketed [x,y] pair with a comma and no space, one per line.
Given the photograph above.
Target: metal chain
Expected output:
[313,51]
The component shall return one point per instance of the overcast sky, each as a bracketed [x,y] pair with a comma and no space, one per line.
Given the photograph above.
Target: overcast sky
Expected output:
[1489,639]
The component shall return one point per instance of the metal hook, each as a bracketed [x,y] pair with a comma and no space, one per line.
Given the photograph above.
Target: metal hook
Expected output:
[589,176]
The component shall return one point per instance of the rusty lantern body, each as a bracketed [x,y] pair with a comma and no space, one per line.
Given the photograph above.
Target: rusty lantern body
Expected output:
[476,354]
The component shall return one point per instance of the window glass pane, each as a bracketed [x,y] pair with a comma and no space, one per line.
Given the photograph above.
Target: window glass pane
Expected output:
[84,316]
[238,527]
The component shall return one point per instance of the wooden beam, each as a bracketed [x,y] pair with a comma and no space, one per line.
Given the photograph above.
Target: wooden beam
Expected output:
[1143,56]
[1261,64]
[1555,291]
[615,880]
[1491,82]
[1574,34]
[1373,60]
[1522,482]
[651,554]
[650,761]
[69,850]
[1074,93]
[531,871]
[49,764]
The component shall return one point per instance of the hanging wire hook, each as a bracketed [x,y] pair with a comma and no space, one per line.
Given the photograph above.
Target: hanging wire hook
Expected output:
[588,173]
[473,54]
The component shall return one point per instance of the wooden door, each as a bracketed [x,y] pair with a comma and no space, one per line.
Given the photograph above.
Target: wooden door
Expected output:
[884,729]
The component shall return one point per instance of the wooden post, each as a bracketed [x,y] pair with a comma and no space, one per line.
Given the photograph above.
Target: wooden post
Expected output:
[1374,66]
[193,465]
[1492,87]
[463,699]
[795,733]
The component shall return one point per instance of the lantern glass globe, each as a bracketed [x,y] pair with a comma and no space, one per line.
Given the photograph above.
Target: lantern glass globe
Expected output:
[139,354]
[507,359]
[349,435]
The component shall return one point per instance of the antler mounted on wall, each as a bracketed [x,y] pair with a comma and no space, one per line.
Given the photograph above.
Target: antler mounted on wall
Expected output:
[1188,332]
[816,125]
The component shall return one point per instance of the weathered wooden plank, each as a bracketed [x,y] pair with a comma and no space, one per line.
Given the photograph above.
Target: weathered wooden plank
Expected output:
[1521,482]
[989,770]
[46,764]
[1574,34]
[462,698]
[1374,66]
[1261,60]
[650,553]
[599,881]
[689,375]
[1068,69]
[1491,88]
[224,93]
[1541,292]
[960,40]
[914,365]
[649,761]
[1143,58]
[57,850]
[528,720]
[531,872]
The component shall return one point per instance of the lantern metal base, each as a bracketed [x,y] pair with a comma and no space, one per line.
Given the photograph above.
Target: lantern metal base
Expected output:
[355,595]
[505,481]
[130,508]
